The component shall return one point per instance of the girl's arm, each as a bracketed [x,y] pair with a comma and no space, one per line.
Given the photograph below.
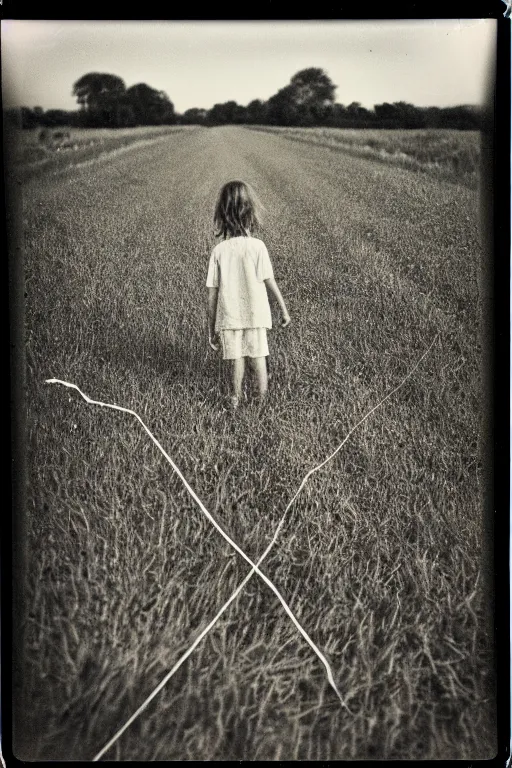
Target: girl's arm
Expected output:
[212,313]
[274,290]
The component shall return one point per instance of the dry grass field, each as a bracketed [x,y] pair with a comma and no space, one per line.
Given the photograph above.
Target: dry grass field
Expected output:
[445,153]
[50,150]
[382,557]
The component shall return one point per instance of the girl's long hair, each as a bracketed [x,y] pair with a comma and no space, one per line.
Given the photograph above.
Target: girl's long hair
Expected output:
[238,210]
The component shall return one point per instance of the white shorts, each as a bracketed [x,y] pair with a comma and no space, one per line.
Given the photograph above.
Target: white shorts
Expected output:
[246,342]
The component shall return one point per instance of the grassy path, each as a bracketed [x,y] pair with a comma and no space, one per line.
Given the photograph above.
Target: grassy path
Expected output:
[382,557]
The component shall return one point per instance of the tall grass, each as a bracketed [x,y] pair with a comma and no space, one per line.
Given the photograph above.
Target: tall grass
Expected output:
[446,153]
[382,558]
[34,152]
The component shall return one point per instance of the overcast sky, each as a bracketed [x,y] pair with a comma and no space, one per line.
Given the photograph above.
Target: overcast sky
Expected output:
[426,63]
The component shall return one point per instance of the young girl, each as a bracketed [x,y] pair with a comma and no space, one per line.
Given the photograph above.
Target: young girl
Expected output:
[239,276]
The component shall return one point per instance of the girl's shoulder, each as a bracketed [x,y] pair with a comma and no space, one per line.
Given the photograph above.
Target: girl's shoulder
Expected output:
[258,242]
[255,244]
[233,242]
[217,247]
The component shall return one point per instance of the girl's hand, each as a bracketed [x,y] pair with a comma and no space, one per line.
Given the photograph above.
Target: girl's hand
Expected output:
[286,320]
[213,340]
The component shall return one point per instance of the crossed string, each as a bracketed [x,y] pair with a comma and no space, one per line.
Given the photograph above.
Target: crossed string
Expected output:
[254,566]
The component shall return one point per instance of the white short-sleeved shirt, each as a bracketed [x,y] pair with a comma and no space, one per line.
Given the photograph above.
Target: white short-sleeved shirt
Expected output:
[238,267]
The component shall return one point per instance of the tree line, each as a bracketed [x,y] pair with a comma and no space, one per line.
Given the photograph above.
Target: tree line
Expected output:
[308,100]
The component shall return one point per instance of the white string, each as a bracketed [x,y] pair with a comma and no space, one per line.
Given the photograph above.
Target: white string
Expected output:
[255,567]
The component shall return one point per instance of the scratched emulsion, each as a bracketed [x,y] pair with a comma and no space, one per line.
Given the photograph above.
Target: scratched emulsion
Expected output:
[381,561]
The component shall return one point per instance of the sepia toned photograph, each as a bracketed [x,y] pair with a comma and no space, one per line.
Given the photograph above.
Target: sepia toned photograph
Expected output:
[251,265]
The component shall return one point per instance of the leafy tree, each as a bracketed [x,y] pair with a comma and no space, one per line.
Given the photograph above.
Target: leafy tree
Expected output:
[385,111]
[227,112]
[194,116]
[312,87]
[36,116]
[150,107]
[104,100]
[355,109]
[28,118]
[400,114]
[409,115]
[56,117]
[358,116]
[124,114]
[282,107]
[304,101]
[99,95]
[336,115]
[95,89]
[462,117]
[256,112]
[12,117]
[432,116]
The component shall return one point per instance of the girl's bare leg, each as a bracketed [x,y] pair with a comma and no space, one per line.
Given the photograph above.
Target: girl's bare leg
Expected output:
[259,367]
[237,374]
